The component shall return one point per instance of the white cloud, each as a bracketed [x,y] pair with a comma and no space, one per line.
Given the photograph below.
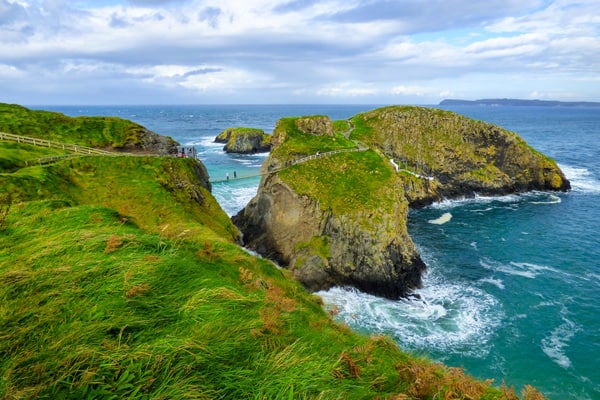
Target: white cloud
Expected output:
[347,90]
[418,91]
[330,49]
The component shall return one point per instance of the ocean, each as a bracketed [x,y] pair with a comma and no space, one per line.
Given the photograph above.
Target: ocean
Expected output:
[511,291]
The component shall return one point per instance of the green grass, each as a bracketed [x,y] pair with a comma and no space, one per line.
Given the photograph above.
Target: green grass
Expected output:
[15,155]
[157,193]
[299,144]
[344,182]
[95,307]
[120,278]
[438,139]
[88,131]
[341,126]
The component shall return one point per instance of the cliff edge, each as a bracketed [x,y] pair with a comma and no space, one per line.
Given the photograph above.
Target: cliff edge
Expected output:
[109,133]
[334,206]
[336,219]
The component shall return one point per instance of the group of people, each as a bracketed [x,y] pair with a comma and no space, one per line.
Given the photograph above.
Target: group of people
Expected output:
[234,175]
[191,152]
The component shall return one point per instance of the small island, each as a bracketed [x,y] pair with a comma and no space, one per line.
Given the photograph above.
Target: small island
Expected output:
[244,140]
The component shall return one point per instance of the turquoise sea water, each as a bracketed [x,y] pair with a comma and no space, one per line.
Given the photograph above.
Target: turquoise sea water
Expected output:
[512,286]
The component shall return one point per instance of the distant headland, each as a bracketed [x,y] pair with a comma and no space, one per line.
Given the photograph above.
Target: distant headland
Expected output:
[518,102]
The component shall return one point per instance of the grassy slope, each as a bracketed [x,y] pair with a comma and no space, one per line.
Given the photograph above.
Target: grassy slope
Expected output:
[88,131]
[435,138]
[344,182]
[298,144]
[114,282]
[15,155]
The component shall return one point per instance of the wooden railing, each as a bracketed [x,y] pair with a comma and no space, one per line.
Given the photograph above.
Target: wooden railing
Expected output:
[56,145]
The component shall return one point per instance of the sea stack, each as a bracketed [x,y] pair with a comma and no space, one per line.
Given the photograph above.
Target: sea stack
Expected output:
[333,203]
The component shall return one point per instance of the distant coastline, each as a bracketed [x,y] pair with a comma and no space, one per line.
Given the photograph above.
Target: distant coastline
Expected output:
[518,102]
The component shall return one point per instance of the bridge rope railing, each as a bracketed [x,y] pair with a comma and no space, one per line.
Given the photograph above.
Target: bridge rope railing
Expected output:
[288,164]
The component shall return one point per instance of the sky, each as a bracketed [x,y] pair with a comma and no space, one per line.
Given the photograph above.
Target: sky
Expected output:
[105,52]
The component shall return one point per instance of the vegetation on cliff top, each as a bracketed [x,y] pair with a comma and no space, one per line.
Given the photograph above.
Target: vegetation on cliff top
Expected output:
[101,132]
[345,182]
[120,278]
[463,154]
[292,143]
[230,133]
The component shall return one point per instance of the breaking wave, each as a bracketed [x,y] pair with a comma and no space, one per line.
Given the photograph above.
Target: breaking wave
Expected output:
[582,180]
[447,317]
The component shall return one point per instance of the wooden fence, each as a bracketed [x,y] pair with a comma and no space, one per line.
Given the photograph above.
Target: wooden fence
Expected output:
[56,145]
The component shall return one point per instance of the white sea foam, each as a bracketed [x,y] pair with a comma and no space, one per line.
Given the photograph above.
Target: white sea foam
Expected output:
[593,276]
[581,179]
[445,217]
[477,199]
[450,317]
[509,269]
[208,145]
[552,199]
[556,343]
[232,197]
[523,269]
[496,282]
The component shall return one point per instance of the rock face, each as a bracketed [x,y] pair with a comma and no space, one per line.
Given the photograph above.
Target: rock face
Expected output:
[323,248]
[298,219]
[462,157]
[340,217]
[244,140]
[154,143]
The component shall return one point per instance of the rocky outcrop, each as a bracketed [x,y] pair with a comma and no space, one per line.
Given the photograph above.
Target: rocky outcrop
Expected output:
[151,142]
[315,125]
[341,219]
[298,218]
[244,140]
[462,157]
[368,249]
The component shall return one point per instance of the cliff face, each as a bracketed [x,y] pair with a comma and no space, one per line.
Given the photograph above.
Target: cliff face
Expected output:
[327,224]
[339,216]
[460,156]
[244,140]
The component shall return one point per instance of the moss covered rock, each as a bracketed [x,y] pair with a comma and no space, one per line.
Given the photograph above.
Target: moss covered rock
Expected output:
[459,155]
[244,140]
[340,217]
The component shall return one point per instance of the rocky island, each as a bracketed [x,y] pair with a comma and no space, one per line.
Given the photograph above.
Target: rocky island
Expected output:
[340,218]
[244,140]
